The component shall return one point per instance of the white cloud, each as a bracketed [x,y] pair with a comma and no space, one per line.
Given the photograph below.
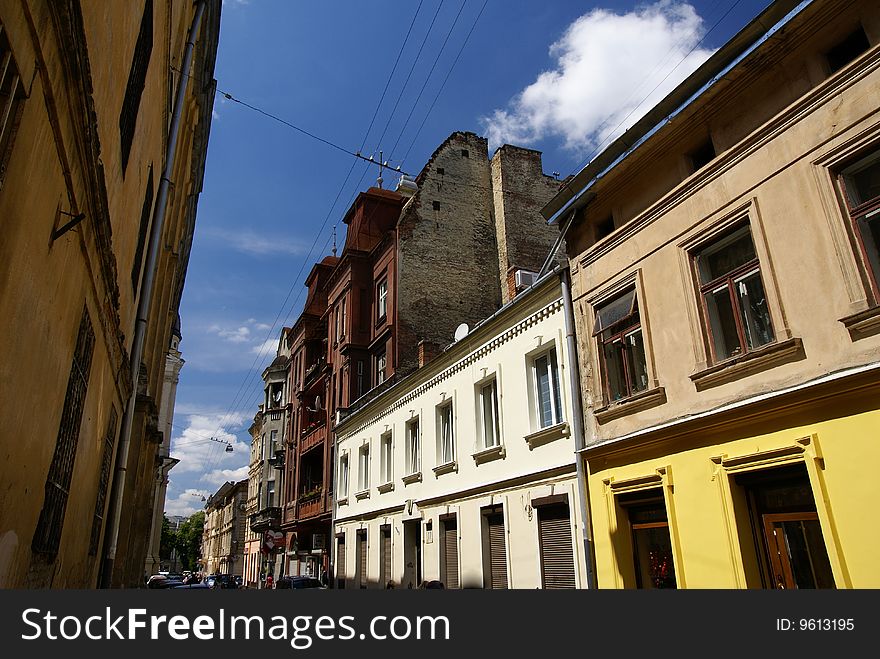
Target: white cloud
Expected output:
[256,244]
[187,502]
[214,115]
[266,349]
[217,477]
[607,65]
[197,453]
[236,335]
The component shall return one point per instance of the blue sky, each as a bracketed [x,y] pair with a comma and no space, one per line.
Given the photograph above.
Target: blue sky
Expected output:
[562,77]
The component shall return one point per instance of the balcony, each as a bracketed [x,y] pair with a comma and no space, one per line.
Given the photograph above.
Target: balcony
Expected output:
[310,504]
[312,436]
[266,519]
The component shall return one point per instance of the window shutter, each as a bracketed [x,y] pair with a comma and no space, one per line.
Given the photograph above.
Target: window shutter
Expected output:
[557,554]
[450,554]
[340,563]
[386,557]
[497,551]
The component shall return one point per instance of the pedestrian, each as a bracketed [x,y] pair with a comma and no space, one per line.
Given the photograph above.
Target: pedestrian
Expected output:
[269,581]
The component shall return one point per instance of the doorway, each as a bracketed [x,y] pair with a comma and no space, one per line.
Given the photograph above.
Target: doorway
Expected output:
[412,554]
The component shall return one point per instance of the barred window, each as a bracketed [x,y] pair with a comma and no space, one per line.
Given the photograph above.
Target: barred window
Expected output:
[138,263]
[137,78]
[11,97]
[103,482]
[48,532]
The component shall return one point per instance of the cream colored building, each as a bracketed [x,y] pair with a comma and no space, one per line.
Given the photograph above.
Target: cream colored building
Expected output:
[725,275]
[87,91]
[223,537]
[464,471]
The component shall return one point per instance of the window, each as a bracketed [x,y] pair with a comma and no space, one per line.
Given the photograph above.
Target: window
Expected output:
[847,50]
[344,317]
[489,418]
[604,228]
[548,399]
[445,434]
[364,468]
[702,155]
[360,378]
[382,299]
[343,477]
[103,482]
[11,101]
[137,265]
[270,494]
[413,459]
[273,442]
[385,457]
[435,205]
[861,183]
[651,542]
[137,78]
[621,346]
[381,363]
[47,535]
[732,292]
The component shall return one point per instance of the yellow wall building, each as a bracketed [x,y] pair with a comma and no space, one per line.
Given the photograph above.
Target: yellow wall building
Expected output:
[724,257]
[86,97]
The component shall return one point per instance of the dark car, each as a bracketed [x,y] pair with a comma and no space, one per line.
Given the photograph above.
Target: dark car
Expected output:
[298,582]
[221,581]
[200,586]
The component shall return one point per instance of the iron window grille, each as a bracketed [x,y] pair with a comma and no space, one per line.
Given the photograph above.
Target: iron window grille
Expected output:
[12,95]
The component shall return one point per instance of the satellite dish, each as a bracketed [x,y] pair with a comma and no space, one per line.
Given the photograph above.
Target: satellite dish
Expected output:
[461,331]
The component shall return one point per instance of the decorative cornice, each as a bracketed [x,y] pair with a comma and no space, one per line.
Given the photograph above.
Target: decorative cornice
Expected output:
[485,349]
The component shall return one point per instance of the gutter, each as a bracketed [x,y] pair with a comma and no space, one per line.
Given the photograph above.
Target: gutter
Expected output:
[111,534]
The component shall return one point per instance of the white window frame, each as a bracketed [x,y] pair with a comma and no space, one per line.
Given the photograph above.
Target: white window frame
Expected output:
[382,299]
[386,457]
[442,410]
[557,416]
[343,477]
[364,468]
[489,387]
[413,446]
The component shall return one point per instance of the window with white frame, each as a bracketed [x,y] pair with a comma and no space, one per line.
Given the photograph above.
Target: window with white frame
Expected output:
[364,468]
[413,459]
[270,494]
[382,299]
[273,442]
[548,397]
[490,428]
[343,477]
[445,434]
[381,365]
[385,458]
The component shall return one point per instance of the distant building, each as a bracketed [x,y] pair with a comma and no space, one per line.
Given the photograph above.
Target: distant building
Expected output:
[86,95]
[724,258]
[223,538]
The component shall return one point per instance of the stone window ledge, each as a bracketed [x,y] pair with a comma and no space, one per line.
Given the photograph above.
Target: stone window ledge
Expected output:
[636,403]
[862,324]
[342,502]
[750,363]
[415,477]
[362,495]
[547,435]
[488,454]
[446,468]
[385,487]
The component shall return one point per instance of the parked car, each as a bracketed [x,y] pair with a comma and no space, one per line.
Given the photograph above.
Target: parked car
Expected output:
[299,582]
[200,586]
[162,581]
[221,581]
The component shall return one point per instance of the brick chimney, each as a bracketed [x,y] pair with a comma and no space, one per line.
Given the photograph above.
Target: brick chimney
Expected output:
[427,352]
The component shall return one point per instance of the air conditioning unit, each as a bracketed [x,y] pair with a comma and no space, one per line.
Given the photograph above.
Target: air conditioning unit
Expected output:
[318,541]
[524,278]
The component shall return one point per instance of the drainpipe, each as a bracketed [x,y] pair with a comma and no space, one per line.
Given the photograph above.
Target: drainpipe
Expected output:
[111,535]
[577,428]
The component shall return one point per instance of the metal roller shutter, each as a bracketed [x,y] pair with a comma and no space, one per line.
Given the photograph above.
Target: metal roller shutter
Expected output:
[340,563]
[557,553]
[497,551]
[362,559]
[386,557]
[450,554]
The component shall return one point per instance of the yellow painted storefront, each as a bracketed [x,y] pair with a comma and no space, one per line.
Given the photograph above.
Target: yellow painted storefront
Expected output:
[832,431]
